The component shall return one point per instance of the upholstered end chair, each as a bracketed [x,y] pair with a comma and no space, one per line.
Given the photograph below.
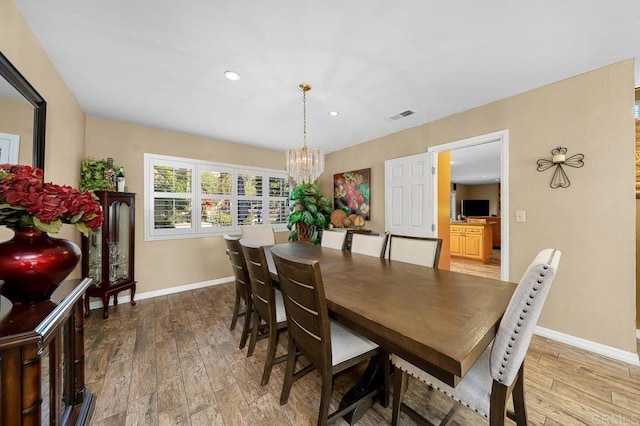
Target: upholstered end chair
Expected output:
[499,372]
[333,239]
[261,235]
[369,244]
[422,251]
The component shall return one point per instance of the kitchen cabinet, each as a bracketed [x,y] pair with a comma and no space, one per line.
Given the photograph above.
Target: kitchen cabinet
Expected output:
[471,241]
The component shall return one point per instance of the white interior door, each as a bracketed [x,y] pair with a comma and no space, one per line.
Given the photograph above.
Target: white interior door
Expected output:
[410,195]
[9,148]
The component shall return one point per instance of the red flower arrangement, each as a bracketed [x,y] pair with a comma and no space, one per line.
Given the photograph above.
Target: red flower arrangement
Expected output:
[25,200]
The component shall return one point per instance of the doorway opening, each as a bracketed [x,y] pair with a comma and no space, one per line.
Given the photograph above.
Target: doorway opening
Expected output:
[487,206]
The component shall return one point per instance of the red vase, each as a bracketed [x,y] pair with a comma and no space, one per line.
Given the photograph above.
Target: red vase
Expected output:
[33,264]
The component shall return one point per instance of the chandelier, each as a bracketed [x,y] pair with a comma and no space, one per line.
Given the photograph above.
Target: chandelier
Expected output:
[304,165]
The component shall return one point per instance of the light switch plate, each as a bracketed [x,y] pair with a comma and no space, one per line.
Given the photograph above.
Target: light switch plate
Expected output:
[520,216]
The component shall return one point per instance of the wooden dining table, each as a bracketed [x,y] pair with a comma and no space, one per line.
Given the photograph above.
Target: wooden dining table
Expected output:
[441,321]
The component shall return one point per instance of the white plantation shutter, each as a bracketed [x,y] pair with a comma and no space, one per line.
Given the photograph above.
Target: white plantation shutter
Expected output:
[279,190]
[216,198]
[172,197]
[192,198]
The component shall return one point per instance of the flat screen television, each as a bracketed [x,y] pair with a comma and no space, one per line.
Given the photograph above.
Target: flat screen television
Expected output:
[474,207]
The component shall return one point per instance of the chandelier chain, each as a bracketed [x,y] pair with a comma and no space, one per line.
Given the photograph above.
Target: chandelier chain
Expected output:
[304,117]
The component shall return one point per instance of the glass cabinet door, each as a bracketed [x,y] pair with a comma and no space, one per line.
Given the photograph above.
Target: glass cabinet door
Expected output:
[95,256]
[118,242]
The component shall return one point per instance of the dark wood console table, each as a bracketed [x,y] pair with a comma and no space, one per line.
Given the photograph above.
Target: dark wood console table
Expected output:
[28,336]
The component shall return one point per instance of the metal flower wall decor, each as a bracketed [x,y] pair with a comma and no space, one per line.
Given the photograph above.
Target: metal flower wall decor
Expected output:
[560,178]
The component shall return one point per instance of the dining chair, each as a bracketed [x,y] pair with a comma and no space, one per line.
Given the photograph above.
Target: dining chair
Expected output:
[369,244]
[499,372]
[422,251]
[243,286]
[333,239]
[328,345]
[261,235]
[267,304]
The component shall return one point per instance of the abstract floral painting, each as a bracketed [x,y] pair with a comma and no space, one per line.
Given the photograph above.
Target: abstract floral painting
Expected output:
[352,192]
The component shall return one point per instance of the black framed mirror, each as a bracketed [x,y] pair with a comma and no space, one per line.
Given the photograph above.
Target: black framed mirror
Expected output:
[12,76]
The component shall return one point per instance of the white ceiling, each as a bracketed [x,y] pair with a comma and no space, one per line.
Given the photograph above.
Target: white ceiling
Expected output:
[475,165]
[160,63]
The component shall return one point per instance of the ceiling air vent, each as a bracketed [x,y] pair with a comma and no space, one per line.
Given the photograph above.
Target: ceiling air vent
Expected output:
[400,115]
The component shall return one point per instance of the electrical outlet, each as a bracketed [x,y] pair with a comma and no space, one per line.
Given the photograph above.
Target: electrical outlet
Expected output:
[520,216]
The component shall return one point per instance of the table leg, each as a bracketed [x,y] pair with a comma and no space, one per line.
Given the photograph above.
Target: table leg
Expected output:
[372,380]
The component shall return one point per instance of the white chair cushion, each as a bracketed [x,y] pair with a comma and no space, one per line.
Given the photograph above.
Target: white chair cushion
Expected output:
[281,314]
[371,245]
[347,344]
[473,391]
[261,235]
[415,251]
[333,239]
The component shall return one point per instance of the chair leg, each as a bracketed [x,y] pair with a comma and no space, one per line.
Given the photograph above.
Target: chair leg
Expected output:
[325,399]
[236,309]
[248,312]
[288,375]
[254,332]
[385,364]
[271,354]
[518,399]
[400,382]
[498,409]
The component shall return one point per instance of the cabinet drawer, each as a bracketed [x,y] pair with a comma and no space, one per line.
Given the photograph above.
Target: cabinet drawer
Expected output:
[472,230]
[453,228]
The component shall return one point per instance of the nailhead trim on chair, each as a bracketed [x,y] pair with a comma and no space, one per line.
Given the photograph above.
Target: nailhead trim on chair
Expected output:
[522,317]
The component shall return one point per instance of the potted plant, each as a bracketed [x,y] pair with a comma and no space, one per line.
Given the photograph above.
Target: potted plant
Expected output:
[309,212]
[97,175]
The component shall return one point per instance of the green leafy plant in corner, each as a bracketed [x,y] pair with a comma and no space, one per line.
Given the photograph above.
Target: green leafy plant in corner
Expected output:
[307,206]
[92,175]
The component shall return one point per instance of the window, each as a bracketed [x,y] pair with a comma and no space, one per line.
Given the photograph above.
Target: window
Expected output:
[187,198]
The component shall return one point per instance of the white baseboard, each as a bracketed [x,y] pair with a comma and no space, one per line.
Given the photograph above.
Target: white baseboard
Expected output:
[126,297]
[598,348]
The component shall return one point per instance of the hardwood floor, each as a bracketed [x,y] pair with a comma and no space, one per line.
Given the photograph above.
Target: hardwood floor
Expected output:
[172,360]
[490,269]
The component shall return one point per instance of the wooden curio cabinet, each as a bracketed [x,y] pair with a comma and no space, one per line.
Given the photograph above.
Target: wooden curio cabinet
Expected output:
[108,252]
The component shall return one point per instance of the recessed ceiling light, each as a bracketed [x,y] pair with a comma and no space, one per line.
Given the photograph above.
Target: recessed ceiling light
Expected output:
[334,113]
[232,75]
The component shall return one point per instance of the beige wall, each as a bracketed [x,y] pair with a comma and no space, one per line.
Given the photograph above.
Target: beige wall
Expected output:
[170,263]
[16,118]
[593,294]
[65,118]
[489,192]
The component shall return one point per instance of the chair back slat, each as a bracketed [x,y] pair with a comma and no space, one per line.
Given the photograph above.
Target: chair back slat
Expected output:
[333,239]
[416,250]
[260,278]
[306,306]
[238,264]
[261,235]
[369,244]
[520,317]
